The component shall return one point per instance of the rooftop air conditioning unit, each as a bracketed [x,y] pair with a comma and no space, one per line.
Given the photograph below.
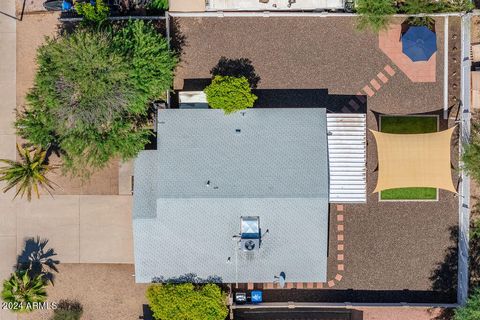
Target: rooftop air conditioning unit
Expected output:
[250,236]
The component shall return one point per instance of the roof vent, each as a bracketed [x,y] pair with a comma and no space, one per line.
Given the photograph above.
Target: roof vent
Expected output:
[249,245]
[250,233]
[238,130]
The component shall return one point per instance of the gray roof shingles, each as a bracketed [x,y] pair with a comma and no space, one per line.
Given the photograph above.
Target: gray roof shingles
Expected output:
[275,167]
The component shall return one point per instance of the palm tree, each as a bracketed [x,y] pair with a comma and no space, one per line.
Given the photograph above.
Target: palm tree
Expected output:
[22,291]
[27,174]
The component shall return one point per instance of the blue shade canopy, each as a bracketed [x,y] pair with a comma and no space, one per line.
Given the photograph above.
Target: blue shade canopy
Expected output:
[419,43]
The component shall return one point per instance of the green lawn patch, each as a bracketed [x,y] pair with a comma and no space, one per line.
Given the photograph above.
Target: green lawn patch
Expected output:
[402,125]
[408,124]
[409,194]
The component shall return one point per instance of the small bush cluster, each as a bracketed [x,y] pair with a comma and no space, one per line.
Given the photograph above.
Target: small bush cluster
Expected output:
[23,290]
[471,311]
[230,94]
[187,301]
[375,14]
[68,310]
[471,153]
[92,94]
[158,5]
[93,12]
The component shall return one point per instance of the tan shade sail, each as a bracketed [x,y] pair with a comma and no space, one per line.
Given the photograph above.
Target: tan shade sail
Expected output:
[414,160]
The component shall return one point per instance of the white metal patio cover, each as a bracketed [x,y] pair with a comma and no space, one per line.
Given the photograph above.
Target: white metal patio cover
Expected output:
[414,160]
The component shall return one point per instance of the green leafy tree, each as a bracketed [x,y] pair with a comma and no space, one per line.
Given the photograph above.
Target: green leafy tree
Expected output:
[68,310]
[471,311]
[90,99]
[230,94]
[22,290]
[187,302]
[374,14]
[27,174]
[92,13]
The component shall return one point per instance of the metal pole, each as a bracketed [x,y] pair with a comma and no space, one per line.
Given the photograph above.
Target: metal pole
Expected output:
[445,70]
[236,265]
[167,30]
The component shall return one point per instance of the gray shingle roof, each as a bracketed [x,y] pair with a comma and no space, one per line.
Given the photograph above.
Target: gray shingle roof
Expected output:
[190,193]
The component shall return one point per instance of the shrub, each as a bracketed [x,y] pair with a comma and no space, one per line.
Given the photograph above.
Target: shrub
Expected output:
[68,310]
[151,64]
[22,290]
[92,92]
[187,302]
[374,14]
[418,6]
[158,4]
[471,153]
[455,6]
[93,13]
[230,94]
[471,311]
[429,6]
[28,174]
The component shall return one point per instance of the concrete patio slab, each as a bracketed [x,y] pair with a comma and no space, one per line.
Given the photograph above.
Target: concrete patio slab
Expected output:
[125,173]
[106,229]
[55,219]
[8,221]
[8,52]
[8,8]
[7,146]
[7,112]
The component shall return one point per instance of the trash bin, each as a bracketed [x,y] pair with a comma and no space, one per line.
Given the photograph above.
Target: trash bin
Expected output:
[240,297]
[256,296]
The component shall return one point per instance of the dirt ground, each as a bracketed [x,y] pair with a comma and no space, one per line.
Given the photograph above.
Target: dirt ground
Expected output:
[400,313]
[106,291]
[28,6]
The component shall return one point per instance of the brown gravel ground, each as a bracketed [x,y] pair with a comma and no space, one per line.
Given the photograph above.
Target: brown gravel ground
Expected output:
[107,291]
[389,245]
[303,53]
[399,313]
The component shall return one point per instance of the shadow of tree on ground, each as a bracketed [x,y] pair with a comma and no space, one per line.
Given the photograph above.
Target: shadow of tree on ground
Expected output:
[37,259]
[241,67]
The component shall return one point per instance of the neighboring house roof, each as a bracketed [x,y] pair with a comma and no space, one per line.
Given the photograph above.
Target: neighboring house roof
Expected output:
[189,195]
[414,160]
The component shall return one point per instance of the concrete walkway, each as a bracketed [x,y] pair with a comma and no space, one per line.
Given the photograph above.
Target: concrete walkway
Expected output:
[7,138]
